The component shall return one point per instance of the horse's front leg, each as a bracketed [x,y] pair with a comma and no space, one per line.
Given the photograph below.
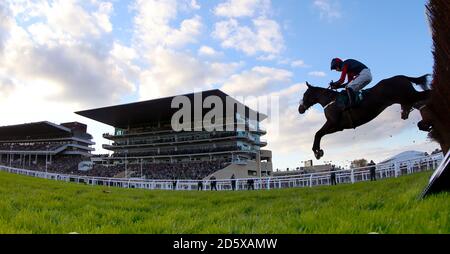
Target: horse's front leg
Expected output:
[326,129]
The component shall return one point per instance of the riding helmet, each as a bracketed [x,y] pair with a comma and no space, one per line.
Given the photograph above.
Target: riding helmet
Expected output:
[336,62]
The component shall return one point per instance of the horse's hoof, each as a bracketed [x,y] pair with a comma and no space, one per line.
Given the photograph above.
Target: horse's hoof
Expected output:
[301,110]
[405,115]
[423,126]
[318,154]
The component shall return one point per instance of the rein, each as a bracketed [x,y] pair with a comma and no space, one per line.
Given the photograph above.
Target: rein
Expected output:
[323,92]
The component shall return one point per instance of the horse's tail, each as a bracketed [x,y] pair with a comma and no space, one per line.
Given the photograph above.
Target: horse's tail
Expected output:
[421,81]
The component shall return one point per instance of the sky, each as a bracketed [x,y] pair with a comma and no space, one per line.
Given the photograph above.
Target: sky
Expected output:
[59,57]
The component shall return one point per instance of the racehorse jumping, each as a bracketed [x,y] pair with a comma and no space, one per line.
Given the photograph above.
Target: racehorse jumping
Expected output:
[395,90]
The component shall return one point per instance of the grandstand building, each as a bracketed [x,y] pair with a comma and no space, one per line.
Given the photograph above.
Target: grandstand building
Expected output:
[147,144]
[44,144]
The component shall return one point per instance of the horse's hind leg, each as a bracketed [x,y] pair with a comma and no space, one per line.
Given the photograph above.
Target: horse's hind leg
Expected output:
[406,109]
[426,124]
[412,101]
[328,128]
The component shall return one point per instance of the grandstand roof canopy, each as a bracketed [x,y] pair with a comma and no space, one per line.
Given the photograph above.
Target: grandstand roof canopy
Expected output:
[151,111]
[404,156]
[30,130]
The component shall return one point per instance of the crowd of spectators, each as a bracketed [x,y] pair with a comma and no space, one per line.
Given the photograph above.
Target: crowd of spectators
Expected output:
[177,170]
[62,165]
[179,152]
[33,138]
[147,129]
[171,139]
[35,146]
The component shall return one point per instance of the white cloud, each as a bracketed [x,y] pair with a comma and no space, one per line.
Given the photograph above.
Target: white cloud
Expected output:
[67,21]
[299,64]
[31,104]
[73,56]
[208,52]
[176,73]
[6,22]
[263,36]
[57,57]
[6,86]
[171,69]
[319,74]
[160,38]
[152,23]
[329,9]
[194,5]
[81,75]
[102,16]
[123,53]
[257,81]
[242,8]
[269,57]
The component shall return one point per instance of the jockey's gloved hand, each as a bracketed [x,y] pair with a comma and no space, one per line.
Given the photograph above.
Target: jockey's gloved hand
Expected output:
[335,85]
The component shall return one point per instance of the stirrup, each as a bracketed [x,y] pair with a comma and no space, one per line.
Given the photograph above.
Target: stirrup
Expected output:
[351,97]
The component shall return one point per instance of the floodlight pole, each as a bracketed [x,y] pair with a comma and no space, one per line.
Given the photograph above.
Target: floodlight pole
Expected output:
[46,162]
[126,160]
[46,154]
[10,153]
[142,172]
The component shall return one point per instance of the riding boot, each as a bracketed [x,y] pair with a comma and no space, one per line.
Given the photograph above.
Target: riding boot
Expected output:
[340,102]
[351,97]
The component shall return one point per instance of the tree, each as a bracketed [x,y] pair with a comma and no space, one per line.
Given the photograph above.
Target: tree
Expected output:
[358,163]
[436,151]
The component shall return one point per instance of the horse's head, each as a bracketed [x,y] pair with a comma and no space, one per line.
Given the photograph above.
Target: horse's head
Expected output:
[310,98]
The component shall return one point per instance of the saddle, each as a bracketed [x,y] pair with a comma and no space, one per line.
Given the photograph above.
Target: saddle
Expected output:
[343,99]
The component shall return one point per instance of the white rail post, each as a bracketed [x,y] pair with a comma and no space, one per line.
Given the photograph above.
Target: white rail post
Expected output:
[352,176]
[397,169]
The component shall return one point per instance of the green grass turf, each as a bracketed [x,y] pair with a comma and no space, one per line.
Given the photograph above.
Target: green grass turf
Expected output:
[31,205]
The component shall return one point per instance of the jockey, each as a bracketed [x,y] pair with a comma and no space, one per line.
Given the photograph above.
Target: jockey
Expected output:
[358,75]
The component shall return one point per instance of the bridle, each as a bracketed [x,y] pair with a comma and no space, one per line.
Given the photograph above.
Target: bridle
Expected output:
[321,94]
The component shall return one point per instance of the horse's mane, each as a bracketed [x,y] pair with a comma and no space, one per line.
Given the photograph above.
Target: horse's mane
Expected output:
[324,89]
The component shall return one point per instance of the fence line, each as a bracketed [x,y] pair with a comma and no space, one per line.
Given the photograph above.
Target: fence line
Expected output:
[386,170]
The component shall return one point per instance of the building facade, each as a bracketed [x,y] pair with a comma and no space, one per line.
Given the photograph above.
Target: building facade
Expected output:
[145,134]
[37,145]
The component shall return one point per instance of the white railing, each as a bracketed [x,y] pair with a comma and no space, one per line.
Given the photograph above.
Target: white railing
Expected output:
[347,176]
